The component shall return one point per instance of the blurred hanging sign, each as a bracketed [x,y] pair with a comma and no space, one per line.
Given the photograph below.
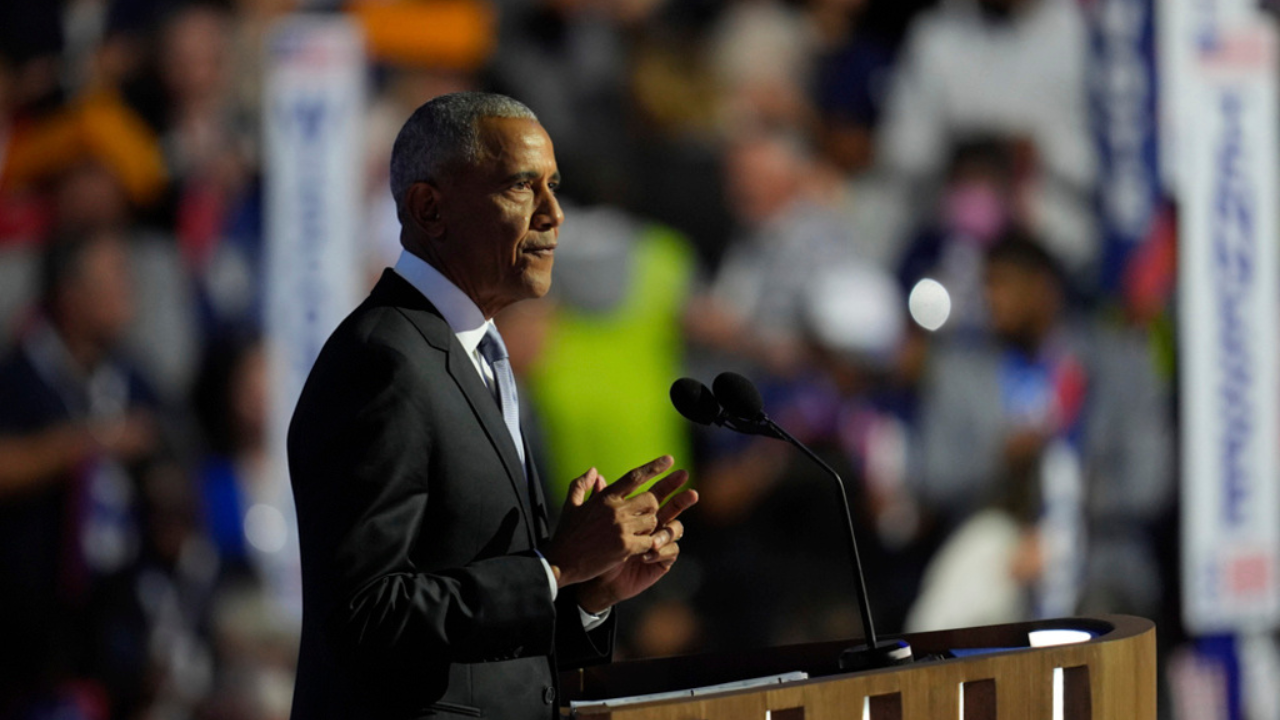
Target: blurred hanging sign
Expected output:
[312,126]
[1230,314]
[1122,101]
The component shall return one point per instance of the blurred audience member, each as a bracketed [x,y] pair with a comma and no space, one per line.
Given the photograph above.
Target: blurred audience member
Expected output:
[256,652]
[978,203]
[1014,68]
[862,405]
[1049,448]
[94,137]
[89,197]
[170,591]
[230,401]
[852,71]
[206,149]
[775,560]
[74,419]
[185,95]
[569,59]
[770,93]
[753,310]
[850,79]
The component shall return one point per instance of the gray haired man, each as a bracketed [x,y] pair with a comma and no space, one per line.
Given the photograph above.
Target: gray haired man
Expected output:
[432,584]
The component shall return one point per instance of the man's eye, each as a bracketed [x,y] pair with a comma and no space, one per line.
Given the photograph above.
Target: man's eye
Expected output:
[523,185]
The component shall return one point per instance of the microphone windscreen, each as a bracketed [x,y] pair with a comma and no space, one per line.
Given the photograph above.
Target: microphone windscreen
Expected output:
[738,396]
[694,401]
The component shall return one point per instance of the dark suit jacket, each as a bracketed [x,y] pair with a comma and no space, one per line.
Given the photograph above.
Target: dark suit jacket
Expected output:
[422,594]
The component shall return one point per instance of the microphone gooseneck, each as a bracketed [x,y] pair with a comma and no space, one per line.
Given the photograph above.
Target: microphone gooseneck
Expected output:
[860,584]
[743,411]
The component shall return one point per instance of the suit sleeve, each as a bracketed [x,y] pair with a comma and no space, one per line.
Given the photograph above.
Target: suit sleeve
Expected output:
[360,448]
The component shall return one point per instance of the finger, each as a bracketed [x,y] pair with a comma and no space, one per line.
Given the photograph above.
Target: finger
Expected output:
[668,485]
[578,488]
[668,533]
[649,502]
[600,484]
[639,544]
[632,481]
[678,504]
[666,554]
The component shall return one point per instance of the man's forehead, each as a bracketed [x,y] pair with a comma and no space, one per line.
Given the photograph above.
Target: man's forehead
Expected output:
[500,136]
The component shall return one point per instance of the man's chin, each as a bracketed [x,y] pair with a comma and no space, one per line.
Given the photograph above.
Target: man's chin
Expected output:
[537,280]
[540,288]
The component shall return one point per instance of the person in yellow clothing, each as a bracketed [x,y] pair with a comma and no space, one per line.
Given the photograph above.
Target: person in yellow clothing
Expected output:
[98,126]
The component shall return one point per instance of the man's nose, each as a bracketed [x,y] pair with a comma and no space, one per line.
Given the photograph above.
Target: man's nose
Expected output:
[548,215]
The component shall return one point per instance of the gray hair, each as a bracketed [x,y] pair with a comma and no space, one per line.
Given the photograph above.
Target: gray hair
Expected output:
[443,132]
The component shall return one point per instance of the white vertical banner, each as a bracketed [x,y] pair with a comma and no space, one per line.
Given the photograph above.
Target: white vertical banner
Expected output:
[1229,316]
[1188,35]
[313,165]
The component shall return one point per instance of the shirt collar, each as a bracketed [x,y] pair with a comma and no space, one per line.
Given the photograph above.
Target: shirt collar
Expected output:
[460,311]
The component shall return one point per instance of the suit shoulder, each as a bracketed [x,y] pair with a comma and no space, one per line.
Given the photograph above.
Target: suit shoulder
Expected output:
[374,324]
[373,345]
[374,358]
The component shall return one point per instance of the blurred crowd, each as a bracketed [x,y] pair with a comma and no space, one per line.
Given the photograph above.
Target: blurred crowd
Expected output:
[883,211]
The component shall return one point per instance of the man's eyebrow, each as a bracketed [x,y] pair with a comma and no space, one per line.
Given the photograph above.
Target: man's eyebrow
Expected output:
[530,176]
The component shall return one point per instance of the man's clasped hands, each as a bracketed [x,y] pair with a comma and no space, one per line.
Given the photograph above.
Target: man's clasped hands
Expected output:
[615,542]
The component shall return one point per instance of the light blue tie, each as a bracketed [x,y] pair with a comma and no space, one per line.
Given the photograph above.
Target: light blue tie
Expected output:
[494,351]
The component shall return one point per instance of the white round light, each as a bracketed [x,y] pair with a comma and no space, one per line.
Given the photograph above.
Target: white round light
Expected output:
[265,528]
[930,304]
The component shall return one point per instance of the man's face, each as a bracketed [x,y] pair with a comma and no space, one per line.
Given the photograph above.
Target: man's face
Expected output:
[98,303]
[500,218]
[1020,300]
[762,176]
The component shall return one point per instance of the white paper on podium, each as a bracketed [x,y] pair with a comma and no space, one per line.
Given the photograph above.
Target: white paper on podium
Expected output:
[578,705]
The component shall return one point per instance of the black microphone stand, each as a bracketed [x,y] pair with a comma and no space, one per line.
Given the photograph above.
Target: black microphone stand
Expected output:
[744,413]
[873,653]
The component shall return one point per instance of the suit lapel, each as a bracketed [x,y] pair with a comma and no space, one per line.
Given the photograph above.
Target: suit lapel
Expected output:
[490,416]
[542,529]
[395,290]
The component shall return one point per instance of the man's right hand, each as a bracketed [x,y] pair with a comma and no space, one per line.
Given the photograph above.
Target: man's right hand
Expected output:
[596,535]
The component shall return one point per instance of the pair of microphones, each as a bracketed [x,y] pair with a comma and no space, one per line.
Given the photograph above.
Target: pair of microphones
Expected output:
[735,403]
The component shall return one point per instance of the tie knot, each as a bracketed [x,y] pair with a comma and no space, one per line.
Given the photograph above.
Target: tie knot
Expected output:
[491,347]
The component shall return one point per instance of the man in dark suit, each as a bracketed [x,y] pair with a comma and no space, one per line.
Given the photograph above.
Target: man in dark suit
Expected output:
[432,585]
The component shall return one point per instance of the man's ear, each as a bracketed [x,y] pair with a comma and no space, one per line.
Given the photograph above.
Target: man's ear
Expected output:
[422,209]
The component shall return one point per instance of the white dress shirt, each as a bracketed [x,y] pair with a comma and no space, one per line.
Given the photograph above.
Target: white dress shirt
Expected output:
[469,325]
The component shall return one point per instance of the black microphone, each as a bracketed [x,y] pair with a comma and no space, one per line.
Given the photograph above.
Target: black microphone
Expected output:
[697,403]
[739,396]
[744,406]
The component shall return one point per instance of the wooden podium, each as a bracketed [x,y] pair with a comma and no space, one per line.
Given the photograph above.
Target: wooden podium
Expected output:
[1109,677]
